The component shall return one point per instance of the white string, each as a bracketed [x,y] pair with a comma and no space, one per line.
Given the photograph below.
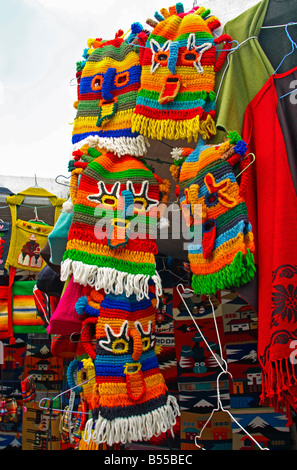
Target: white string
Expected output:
[224,371]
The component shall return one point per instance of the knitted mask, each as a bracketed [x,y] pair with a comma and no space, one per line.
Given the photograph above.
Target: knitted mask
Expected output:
[111,242]
[107,88]
[176,99]
[131,402]
[206,181]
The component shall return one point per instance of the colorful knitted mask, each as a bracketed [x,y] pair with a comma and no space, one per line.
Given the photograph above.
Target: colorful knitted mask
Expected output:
[176,99]
[131,402]
[111,241]
[108,83]
[207,183]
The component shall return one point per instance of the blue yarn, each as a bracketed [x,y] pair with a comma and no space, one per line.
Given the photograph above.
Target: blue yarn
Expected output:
[108,83]
[173,53]
[129,203]
[81,304]
[70,379]
[158,16]
[240,147]
[179,8]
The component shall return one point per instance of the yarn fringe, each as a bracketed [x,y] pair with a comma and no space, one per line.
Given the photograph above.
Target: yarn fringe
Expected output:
[134,146]
[133,428]
[239,272]
[111,280]
[170,129]
[278,377]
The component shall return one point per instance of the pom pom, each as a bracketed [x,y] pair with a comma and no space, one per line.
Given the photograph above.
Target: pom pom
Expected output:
[164,223]
[240,147]
[68,207]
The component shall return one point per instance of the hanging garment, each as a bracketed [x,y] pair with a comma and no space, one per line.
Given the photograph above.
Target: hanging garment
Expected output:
[6,324]
[131,400]
[5,235]
[212,201]
[176,99]
[28,237]
[108,80]
[65,320]
[249,66]
[272,207]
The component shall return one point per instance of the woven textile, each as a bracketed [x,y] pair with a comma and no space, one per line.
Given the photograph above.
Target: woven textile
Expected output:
[130,400]
[213,200]
[108,81]
[111,241]
[176,99]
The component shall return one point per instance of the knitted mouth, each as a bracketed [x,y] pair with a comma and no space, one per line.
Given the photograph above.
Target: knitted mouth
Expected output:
[119,234]
[136,387]
[170,89]
[107,110]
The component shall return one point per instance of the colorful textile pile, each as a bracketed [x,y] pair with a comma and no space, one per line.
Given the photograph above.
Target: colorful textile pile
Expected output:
[221,256]
[176,99]
[108,81]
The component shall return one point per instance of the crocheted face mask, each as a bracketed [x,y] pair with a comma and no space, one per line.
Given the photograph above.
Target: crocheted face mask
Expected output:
[176,99]
[206,180]
[107,90]
[131,402]
[111,241]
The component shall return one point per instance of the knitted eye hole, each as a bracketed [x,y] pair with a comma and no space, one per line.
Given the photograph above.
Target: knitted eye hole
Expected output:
[189,57]
[119,346]
[146,343]
[96,84]
[83,375]
[122,79]
[109,200]
[140,204]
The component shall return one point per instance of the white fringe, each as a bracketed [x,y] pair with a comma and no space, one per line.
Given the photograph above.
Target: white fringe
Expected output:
[109,279]
[133,428]
[134,146]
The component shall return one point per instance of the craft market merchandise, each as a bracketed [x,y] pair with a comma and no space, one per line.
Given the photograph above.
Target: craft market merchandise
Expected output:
[176,99]
[212,201]
[111,242]
[130,399]
[108,80]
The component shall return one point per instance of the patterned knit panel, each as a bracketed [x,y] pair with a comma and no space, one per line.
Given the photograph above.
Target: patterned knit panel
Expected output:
[108,83]
[109,246]
[131,402]
[176,99]
[223,258]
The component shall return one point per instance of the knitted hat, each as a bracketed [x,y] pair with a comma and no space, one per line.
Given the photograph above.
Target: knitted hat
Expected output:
[132,401]
[111,242]
[176,99]
[108,81]
[206,181]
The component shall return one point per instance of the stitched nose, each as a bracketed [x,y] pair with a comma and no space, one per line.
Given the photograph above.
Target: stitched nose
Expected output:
[108,82]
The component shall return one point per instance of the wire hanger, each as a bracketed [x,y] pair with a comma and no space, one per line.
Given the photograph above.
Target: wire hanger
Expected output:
[172,273]
[36,219]
[294,46]
[224,370]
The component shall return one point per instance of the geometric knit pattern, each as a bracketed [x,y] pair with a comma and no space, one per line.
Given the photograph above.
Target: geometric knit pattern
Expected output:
[176,99]
[222,257]
[111,242]
[130,399]
[108,81]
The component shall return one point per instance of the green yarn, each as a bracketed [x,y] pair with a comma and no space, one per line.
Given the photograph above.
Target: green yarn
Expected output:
[239,272]
[131,267]
[233,137]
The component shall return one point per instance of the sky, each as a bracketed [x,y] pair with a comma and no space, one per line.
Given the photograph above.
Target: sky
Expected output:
[40,43]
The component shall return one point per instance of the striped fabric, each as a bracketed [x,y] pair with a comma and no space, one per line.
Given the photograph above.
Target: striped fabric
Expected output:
[109,247]
[223,258]
[176,99]
[108,83]
[131,402]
